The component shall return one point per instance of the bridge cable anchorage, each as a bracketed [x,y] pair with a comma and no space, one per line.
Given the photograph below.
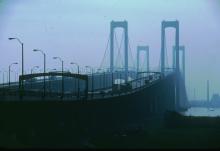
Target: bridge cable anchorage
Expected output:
[119,58]
[105,54]
[130,52]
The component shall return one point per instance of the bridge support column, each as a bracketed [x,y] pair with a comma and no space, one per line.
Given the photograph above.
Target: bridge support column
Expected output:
[123,25]
[162,48]
[177,68]
[112,47]
[173,24]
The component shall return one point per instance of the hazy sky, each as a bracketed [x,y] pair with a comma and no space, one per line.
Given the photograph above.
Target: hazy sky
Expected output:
[78,31]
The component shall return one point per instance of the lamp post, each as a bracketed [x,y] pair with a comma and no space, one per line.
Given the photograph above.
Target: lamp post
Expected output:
[22,57]
[62,76]
[78,78]
[35,50]
[92,79]
[9,71]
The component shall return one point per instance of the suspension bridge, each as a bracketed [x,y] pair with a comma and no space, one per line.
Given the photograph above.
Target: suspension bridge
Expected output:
[120,75]
[122,91]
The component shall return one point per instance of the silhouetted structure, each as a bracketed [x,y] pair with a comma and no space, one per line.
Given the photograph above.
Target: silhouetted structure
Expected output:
[173,24]
[97,108]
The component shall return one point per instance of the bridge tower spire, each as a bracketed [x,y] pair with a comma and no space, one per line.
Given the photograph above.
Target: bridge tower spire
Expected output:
[124,25]
[166,24]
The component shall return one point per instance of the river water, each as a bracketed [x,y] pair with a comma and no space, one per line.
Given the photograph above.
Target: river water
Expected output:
[201,111]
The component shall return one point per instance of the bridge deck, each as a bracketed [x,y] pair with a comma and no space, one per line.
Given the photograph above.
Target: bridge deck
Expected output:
[141,81]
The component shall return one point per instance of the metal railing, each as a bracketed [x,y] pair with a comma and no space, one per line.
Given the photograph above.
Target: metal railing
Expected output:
[142,80]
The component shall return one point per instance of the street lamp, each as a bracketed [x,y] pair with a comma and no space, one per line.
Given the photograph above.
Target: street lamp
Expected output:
[78,77]
[35,50]
[9,68]
[22,56]
[62,76]
[92,79]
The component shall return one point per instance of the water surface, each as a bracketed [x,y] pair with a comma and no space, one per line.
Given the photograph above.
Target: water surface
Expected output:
[200,111]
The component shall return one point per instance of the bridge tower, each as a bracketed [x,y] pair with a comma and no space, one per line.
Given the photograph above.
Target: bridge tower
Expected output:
[145,49]
[181,48]
[124,25]
[173,24]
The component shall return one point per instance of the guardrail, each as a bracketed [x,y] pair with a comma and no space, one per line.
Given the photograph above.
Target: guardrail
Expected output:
[143,80]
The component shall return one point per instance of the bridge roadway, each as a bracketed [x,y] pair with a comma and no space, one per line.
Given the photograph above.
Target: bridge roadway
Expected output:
[102,86]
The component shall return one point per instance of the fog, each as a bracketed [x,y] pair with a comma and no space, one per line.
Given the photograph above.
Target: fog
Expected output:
[78,31]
